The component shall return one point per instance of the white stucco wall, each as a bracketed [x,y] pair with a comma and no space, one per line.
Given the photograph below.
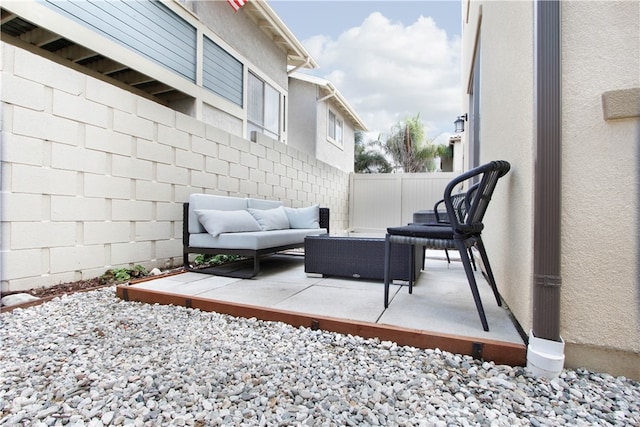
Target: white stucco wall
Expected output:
[308,131]
[600,173]
[341,157]
[301,132]
[94,177]
[506,133]
[600,293]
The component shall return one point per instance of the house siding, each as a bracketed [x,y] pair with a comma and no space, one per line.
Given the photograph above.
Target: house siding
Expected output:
[85,191]
[247,38]
[147,27]
[222,73]
[221,103]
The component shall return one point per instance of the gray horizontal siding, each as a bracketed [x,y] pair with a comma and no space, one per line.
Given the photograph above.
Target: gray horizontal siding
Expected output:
[146,27]
[222,73]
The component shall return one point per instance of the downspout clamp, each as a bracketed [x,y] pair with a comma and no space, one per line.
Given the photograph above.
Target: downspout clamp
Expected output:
[545,352]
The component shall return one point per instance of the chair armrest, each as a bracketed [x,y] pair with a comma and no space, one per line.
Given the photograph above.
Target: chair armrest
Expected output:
[441,217]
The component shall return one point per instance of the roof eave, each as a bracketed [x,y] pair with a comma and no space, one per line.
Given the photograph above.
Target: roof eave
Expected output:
[270,23]
[330,91]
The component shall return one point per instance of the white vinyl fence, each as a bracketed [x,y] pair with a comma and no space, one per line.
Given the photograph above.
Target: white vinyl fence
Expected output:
[378,201]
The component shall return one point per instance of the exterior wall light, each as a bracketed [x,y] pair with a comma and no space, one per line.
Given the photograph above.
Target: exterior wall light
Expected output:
[459,123]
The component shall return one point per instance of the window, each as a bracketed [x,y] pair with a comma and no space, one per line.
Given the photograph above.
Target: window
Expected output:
[335,128]
[263,109]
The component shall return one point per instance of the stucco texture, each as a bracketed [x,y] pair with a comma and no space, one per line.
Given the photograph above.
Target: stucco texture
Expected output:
[506,131]
[600,293]
[600,170]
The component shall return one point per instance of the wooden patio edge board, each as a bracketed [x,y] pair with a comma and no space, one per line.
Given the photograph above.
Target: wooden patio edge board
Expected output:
[499,352]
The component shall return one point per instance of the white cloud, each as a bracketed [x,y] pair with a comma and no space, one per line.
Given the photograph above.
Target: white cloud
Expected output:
[388,72]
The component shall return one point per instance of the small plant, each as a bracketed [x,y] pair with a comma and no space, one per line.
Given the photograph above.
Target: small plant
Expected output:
[120,275]
[211,260]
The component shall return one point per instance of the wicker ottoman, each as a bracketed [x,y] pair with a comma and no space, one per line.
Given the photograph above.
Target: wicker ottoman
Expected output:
[428,217]
[359,257]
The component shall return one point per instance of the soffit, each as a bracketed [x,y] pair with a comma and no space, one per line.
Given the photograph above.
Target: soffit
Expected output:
[271,24]
[329,91]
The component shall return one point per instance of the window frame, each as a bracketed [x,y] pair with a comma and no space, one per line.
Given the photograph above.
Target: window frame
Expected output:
[268,92]
[335,128]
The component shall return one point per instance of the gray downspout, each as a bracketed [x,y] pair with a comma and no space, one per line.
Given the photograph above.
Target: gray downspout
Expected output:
[546,245]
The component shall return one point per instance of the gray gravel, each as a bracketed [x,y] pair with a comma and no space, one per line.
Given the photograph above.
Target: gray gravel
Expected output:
[92,359]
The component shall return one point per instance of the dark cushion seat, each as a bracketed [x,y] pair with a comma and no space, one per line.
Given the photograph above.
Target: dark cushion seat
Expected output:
[432,231]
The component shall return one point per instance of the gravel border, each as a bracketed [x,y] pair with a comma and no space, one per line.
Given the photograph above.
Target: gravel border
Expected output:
[93,359]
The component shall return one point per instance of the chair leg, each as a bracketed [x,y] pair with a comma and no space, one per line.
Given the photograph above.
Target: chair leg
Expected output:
[473,261]
[387,270]
[185,260]
[256,265]
[487,266]
[446,252]
[464,256]
[412,264]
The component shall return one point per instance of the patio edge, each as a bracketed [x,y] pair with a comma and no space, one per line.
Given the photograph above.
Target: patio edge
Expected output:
[499,352]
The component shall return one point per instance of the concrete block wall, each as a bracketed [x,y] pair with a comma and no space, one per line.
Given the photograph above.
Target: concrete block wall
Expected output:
[94,177]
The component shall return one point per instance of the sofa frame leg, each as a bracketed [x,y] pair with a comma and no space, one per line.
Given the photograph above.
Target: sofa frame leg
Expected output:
[224,271]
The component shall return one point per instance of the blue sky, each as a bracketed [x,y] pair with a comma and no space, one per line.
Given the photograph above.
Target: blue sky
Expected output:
[389,59]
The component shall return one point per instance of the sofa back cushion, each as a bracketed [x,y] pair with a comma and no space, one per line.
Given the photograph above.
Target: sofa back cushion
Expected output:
[271,219]
[211,201]
[262,204]
[217,222]
[308,217]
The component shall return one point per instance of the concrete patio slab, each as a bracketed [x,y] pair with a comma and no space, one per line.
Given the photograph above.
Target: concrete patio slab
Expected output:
[440,312]
[329,301]
[264,293]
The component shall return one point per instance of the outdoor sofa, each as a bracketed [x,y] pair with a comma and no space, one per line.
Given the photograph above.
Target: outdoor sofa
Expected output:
[247,227]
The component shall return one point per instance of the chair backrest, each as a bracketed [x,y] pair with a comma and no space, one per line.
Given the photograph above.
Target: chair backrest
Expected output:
[476,199]
[460,202]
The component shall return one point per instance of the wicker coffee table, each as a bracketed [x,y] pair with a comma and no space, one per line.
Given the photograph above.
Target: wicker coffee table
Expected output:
[359,257]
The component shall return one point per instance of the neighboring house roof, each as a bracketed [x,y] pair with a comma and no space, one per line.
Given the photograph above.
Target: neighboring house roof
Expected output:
[271,24]
[327,89]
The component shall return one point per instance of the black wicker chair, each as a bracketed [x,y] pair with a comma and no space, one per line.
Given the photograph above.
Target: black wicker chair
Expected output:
[460,208]
[463,232]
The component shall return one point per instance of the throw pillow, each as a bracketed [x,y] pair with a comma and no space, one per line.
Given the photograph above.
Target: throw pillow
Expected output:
[304,217]
[217,222]
[271,219]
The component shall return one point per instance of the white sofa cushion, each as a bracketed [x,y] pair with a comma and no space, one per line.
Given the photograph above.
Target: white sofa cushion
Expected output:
[217,222]
[308,217]
[211,201]
[254,240]
[262,203]
[271,219]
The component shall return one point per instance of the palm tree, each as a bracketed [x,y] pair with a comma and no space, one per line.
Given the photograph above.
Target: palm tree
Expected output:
[436,150]
[408,148]
[368,160]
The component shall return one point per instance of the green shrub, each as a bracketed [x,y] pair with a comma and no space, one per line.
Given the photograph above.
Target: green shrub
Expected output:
[120,275]
[211,260]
